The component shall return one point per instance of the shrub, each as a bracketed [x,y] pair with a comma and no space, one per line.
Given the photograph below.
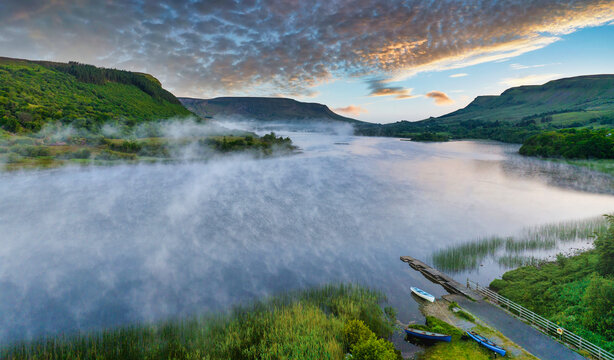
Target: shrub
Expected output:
[355,332]
[599,303]
[79,154]
[13,158]
[126,146]
[374,349]
[30,150]
[604,245]
[114,155]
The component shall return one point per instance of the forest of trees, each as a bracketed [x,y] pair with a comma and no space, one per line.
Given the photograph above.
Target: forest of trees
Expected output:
[96,75]
[571,144]
[33,94]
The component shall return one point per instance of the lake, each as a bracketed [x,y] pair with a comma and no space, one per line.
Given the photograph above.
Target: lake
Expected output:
[85,248]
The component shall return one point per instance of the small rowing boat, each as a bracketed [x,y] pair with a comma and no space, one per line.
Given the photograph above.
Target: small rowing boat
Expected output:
[423,294]
[486,343]
[428,335]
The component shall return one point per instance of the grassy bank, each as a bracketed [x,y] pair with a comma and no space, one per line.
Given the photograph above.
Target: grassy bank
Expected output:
[605,166]
[310,324]
[441,319]
[576,292]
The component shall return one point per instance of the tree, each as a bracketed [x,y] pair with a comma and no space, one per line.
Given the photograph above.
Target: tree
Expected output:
[599,304]
[605,249]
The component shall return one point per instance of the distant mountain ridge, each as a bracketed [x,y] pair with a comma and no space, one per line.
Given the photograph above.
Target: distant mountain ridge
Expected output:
[520,112]
[581,93]
[267,109]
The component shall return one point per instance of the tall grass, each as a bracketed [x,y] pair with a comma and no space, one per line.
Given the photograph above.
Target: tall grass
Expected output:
[468,255]
[303,324]
[508,251]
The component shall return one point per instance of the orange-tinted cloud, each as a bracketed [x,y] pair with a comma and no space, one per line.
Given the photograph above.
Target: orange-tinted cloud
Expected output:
[440,98]
[353,110]
[287,46]
[397,92]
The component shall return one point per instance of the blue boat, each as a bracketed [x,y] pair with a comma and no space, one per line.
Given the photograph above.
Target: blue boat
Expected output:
[428,335]
[486,343]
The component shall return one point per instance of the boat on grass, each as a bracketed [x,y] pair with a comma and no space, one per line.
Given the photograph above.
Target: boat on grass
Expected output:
[423,294]
[428,335]
[486,343]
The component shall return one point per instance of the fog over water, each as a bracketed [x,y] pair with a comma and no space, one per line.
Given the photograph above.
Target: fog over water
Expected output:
[84,248]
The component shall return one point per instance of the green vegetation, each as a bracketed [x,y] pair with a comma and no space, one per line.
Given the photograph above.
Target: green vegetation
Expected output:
[459,312]
[605,166]
[575,292]
[266,143]
[571,144]
[79,147]
[459,348]
[53,114]
[319,323]
[427,136]
[33,94]
[363,344]
[509,251]
[520,113]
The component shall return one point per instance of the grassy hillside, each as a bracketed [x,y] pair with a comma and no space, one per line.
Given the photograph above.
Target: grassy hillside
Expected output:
[264,109]
[84,96]
[521,112]
[322,323]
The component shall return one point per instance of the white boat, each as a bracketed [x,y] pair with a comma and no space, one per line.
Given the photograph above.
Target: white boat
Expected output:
[423,294]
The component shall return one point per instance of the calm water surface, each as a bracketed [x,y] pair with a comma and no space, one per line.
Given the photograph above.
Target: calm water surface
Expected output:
[102,246]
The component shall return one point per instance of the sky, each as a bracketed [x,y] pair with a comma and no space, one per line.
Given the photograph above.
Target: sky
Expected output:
[374,60]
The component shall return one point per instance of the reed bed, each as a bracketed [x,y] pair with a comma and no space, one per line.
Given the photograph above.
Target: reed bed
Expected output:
[302,324]
[509,251]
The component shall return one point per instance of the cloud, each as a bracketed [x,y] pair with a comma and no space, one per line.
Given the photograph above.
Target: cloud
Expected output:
[397,92]
[535,79]
[522,67]
[381,87]
[210,48]
[351,110]
[458,75]
[440,98]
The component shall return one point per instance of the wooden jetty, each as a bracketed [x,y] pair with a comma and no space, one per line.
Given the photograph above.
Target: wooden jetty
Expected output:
[436,276]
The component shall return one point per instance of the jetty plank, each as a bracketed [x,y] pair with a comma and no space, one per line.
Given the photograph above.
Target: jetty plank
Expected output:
[436,276]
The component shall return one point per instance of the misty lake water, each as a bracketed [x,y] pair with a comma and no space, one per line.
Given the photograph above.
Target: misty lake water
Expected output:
[85,248]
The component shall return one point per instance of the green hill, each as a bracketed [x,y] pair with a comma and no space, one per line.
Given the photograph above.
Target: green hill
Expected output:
[264,109]
[521,112]
[33,93]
